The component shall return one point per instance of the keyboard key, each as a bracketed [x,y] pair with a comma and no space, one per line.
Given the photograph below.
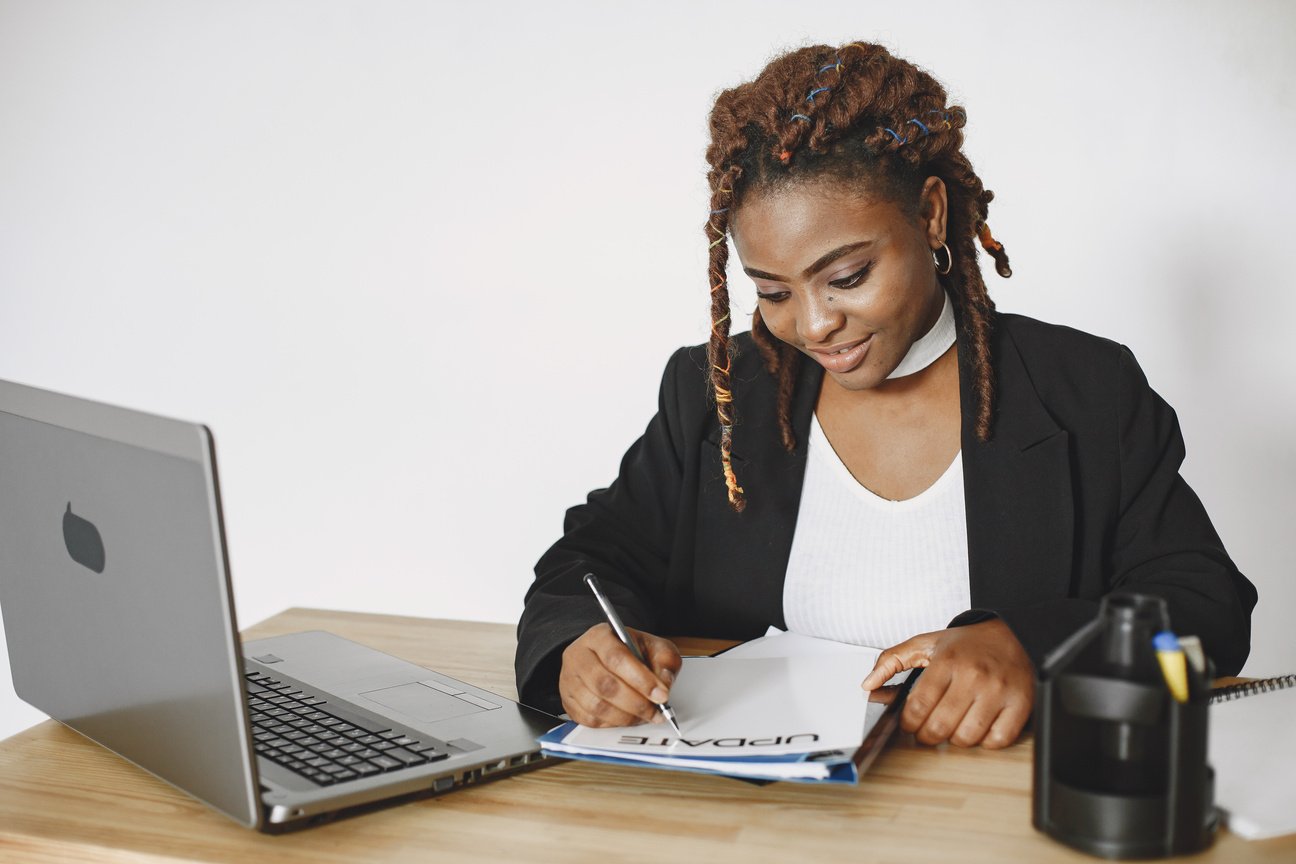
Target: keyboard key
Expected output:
[318,762]
[353,732]
[369,739]
[390,733]
[406,756]
[421,747]
[364,769]
[345,775]
[404,741]
[382,745]
[367,753]
[386,764]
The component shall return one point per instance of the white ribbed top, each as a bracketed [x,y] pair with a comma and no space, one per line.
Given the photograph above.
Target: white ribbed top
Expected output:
[870,571]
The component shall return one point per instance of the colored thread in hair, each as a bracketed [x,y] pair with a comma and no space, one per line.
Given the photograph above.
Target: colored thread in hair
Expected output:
[987,240]
[726,461]
[810,98]
[721,210]
[785,156]
[800,117]
[919,124]
[894,135]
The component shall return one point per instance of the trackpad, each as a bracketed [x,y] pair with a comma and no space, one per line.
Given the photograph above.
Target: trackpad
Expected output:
[422,702]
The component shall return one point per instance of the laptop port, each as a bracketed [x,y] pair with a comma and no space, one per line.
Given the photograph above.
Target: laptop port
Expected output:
[495,766]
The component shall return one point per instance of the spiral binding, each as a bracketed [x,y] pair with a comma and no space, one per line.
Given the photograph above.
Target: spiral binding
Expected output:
[1251,688]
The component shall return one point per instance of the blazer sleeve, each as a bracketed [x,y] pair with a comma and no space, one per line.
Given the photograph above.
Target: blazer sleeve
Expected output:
[623,535]
[1163,542]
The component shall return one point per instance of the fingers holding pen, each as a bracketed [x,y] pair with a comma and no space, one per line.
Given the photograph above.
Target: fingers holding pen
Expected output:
[661,655]
[603,684]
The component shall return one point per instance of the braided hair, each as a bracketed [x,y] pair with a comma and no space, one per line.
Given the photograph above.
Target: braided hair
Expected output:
[853,113]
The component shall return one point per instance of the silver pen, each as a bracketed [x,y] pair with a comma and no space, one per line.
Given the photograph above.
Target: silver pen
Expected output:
[624,635]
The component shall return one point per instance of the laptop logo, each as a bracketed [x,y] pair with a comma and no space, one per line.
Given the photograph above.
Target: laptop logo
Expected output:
[83,541]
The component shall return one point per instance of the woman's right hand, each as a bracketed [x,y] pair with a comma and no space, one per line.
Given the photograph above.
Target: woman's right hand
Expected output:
[602,684]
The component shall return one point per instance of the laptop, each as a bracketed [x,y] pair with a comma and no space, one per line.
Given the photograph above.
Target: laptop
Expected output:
[119,614]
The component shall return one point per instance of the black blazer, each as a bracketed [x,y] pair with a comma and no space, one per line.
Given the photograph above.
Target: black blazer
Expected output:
[1076,494]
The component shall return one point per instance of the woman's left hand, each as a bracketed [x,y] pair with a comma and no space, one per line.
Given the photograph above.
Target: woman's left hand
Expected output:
[978,687]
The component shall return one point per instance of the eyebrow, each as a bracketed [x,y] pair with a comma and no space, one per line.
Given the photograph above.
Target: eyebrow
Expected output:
[824,261]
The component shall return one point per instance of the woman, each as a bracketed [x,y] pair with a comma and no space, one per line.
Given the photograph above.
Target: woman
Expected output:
[884,459]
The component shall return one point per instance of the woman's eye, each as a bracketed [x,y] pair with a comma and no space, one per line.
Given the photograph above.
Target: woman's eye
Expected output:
[772,297]
[854,279]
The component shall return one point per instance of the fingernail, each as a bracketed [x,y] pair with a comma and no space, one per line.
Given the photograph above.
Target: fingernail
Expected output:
[668,676]
[658,695]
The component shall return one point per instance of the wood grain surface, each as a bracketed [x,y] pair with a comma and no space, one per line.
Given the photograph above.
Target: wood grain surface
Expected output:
[65,799]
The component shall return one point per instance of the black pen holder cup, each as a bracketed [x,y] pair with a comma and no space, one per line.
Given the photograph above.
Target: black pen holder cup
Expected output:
[1120,765]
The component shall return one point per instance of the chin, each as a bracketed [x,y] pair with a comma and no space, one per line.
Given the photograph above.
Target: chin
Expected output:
[859,379]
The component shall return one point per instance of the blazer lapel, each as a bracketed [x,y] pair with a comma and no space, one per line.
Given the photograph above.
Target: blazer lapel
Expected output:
[748,552]
[1017,489]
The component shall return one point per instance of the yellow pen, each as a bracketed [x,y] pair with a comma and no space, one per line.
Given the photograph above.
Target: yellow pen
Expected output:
[1174,665]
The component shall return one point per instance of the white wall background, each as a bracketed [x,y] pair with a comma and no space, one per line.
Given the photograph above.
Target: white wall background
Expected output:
[419,264]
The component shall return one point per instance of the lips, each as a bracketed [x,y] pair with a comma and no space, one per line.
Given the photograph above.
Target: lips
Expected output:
[843,357]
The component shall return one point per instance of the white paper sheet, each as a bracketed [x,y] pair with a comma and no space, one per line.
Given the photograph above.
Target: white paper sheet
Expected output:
[744,707]
[781,643]
[1254,756]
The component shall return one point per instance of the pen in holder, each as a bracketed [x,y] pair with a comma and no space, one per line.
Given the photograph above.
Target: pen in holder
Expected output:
[1120,762]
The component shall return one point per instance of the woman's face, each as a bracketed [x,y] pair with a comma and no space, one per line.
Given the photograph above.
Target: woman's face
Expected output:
[844,278]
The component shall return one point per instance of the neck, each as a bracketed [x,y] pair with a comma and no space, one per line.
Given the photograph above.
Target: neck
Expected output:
[932,345]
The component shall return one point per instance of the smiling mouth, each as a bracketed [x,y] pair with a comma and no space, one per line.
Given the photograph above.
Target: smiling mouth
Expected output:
[843,358]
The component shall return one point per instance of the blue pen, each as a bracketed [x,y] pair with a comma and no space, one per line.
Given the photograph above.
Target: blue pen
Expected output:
[624,635]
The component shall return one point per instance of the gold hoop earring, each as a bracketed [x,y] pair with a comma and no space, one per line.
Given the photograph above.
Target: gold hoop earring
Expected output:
[949,260]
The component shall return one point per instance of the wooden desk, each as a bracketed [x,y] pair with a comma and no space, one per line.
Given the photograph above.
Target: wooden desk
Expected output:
[65,799]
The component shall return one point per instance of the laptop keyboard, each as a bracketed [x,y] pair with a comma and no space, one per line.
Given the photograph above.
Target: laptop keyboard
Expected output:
[304,735]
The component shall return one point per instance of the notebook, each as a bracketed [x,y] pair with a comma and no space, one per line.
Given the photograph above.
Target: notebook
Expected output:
[782,707]
[119,614]
[1254,756]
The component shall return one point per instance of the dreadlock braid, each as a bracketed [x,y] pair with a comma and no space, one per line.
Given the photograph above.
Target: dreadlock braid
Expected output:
[853,113]
[718,356]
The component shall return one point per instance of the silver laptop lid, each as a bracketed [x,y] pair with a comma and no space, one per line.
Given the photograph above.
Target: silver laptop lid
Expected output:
[114,586]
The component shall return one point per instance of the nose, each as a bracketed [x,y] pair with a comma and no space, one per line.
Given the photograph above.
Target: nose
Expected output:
[818,320]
